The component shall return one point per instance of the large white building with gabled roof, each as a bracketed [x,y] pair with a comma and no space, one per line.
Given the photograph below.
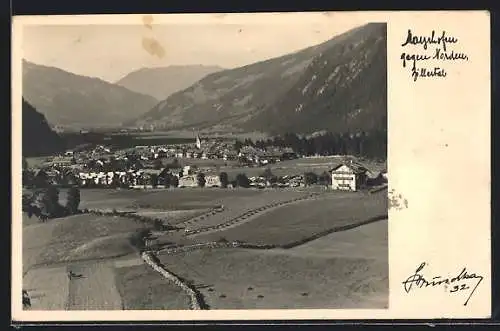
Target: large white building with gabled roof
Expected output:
[349,176]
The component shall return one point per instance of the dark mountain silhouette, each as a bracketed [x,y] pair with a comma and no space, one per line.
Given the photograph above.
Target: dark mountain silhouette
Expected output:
[339,85]
[72,100]
[38,137]
[162,82]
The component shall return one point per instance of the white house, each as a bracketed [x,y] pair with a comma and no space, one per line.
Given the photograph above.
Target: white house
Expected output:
[212,181]
[188,181]
[348,176]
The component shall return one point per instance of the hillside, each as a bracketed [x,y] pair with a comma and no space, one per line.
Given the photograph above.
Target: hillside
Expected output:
[38,137]
[162,82]
[73,100]
[339,85]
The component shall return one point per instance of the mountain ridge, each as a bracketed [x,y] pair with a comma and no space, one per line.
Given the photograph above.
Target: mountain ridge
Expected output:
[266,95]
[70,99]
[37,137]
[161,82]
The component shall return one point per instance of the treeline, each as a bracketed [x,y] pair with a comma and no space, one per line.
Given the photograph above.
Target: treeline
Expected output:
[371,144]
[44,203]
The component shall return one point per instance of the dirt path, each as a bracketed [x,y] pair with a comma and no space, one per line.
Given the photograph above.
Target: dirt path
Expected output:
[94,290]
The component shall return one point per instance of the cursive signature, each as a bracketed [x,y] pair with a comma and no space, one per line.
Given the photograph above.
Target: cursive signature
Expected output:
[458,283]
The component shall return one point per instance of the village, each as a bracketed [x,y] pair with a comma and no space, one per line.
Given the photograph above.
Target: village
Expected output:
[200,164]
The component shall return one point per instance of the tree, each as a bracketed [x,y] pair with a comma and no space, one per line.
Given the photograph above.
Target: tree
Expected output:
[25,163]
[224,180]
[27,204]
[175,164]
[325,178]
[50,202]
[310,178]
[174,181]
[73,200]
[70,178]
[267,174]
[201,179]
[115,180]
[237,145]
[41,179]
[242,180]
[154,180]
[28,178]
[157,164]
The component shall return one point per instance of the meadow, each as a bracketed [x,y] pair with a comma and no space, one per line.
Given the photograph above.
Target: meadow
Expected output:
[97,248]
[299,166]
[143,288]
[323,257]
[160,199]
[274,279]
[299,222]
[80,237]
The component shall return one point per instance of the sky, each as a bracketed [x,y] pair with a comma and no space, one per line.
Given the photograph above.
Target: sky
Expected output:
[111,51]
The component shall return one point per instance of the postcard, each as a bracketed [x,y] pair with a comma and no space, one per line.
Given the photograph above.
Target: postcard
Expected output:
[251,166]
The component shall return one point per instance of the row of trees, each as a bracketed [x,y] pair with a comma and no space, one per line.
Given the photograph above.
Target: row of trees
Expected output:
[371,144]
[44,203]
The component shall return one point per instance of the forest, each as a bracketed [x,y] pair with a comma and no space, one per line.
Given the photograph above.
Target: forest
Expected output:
[371,145]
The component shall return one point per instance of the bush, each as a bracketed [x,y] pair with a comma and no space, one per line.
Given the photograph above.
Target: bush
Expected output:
[201,179]
[222,240]
[224,180]
[49,201]
[73,200]
[242,181]
[310,178]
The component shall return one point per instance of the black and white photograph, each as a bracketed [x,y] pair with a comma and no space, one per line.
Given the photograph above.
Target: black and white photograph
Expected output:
[204,166]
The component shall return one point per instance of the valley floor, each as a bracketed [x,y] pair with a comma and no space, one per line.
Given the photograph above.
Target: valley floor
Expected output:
[326,250]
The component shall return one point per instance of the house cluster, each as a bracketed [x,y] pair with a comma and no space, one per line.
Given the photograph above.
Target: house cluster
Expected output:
[278,182]
[261,157]
[142,167]
[217,149]
[213,149]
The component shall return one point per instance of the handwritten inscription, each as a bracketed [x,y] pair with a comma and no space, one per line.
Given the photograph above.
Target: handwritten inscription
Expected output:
[431,50]
[463,281]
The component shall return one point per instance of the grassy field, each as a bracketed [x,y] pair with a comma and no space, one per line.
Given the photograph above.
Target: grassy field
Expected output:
[299,221]
[169,199]
[48,288]
[173,216]
[143,288]
[299,166]
[85,244]
[80,237]
[273,279]
[202,163]
[367,241]
[235,206]
[36,161]
[36,238]
[95,290]
[347,269]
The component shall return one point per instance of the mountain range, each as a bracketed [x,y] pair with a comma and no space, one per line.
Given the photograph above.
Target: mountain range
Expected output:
[339,85]
[37,137]
[161,82]
[68,99]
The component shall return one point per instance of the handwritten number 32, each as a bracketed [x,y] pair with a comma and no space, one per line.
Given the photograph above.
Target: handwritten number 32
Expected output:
[459,288]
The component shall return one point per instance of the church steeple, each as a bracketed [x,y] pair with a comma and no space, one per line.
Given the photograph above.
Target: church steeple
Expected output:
[198,141]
